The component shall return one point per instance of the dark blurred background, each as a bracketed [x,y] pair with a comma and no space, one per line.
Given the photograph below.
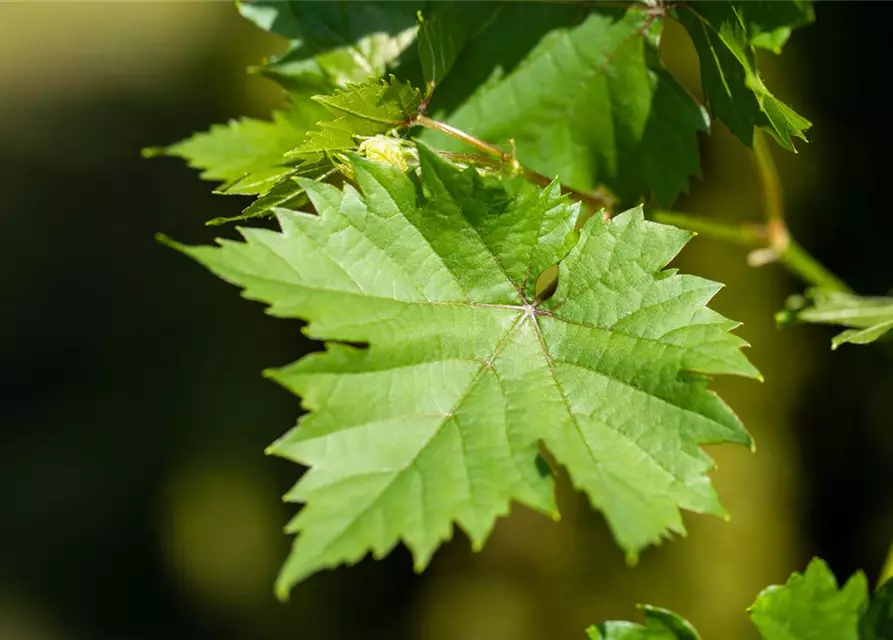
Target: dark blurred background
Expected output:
[136,500]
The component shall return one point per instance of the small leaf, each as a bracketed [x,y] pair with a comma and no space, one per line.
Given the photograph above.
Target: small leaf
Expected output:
[660,624]
[811,606]
[440,419]
[287,193]
[868,318]
[808,607]
[246,153]
[724,34]
[360,110]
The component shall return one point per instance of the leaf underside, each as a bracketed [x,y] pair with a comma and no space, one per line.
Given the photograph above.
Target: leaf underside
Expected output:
[440,419]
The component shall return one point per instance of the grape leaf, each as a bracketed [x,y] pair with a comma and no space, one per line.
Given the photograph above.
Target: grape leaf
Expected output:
[359,110]
[265,158]
[660,624]
[439,419]
[342,41]
[735,93]
[247,154]
[811,606]
[286,193]
[593,105]
[445,31]
[877,622]
[868,318]
[612,116]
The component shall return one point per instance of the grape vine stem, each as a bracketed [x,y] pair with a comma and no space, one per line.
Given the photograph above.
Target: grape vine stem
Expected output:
[596,200]
[770,241]
[780,246]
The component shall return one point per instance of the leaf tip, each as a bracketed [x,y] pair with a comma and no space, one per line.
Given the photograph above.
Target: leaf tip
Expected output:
[632,558]
[153,152]
[283,591]
[167,241]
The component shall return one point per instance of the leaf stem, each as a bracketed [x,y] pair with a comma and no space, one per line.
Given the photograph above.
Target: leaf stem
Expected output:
[802,264]
[773,197]
[794,257]
[781,246]
[744,235]
[467,138]
[595,200]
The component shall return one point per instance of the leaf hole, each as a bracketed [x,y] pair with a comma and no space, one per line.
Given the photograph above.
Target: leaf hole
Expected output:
[546,283]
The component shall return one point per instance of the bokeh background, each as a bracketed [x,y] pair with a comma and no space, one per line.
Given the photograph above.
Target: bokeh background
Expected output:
[136,499]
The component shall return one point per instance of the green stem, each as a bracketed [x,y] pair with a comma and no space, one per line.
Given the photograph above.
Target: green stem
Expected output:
[744,235]
[592,199]
[799,262]
[781,246]
[794,257]
[773,198]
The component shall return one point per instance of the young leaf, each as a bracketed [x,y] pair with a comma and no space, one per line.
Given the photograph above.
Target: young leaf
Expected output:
[439,419]
[593,105]
[810,605]
[246,153]
[725,38]
[359,110]
[342,41]
[660,624]
[868,318]
[286,193]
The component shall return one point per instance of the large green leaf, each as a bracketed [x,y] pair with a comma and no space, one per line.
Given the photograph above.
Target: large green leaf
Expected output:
[461,372]
[868,318]
[660,624]
[810,606]
[592,104]
[724,34]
